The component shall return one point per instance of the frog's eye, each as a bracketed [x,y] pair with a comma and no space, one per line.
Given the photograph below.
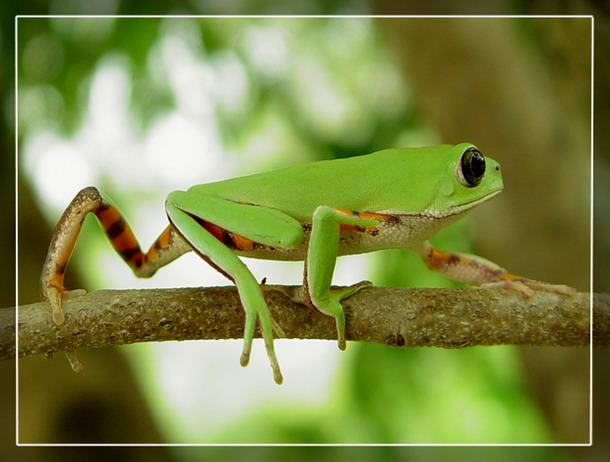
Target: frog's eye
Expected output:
[471,168]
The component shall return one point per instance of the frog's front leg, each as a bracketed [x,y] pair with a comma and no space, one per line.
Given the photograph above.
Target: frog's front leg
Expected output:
[215,227]
[327,224]
[477,271]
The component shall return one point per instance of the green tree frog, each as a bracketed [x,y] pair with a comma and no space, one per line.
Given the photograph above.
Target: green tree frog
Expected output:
[390,199]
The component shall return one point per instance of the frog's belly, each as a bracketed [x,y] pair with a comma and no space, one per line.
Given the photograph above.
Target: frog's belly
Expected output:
[402,233]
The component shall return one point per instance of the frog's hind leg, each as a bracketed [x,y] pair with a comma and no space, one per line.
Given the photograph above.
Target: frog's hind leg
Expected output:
[215,228]
[168,246]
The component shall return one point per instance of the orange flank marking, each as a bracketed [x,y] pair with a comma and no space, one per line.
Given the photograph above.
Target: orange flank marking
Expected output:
[214,230]
[242,243]
[374,216]
[362,216]
[346,212]
[227,237]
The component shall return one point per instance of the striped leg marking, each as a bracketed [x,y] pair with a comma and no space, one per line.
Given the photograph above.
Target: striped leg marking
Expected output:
[166,248]
[89,200]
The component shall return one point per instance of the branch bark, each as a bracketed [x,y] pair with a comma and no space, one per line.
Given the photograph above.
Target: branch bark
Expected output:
[447,318]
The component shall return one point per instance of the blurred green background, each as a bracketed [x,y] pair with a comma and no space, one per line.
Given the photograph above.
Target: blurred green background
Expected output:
[143,106]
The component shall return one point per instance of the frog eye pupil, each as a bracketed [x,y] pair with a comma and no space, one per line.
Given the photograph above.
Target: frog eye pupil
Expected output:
[472,166]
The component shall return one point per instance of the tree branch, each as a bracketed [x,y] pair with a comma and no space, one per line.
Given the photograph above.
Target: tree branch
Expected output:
[447,318]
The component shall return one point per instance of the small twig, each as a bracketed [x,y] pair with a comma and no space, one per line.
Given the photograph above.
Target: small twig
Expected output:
[447,318]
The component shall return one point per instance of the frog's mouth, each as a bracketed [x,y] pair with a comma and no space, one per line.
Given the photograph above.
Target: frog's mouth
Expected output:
[437,214]
[456,209]
[464,207]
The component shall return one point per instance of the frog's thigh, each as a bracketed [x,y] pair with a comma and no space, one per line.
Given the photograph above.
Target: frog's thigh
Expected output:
[196,232]
[255,223]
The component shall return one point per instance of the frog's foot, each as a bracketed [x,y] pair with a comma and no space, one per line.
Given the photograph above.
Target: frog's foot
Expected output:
[277,329]
[55,296]
[257,310]
[299,294]
[74,293]
[528,286]
[77,366]
[247,349]
[345,292]
[332,307]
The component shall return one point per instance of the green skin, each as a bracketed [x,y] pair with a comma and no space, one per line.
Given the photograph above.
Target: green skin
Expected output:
[395,198]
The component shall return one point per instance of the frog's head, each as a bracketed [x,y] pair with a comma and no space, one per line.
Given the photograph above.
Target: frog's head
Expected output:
[469,178]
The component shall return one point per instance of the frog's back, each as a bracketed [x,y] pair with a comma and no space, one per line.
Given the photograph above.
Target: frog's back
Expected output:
[363,183]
